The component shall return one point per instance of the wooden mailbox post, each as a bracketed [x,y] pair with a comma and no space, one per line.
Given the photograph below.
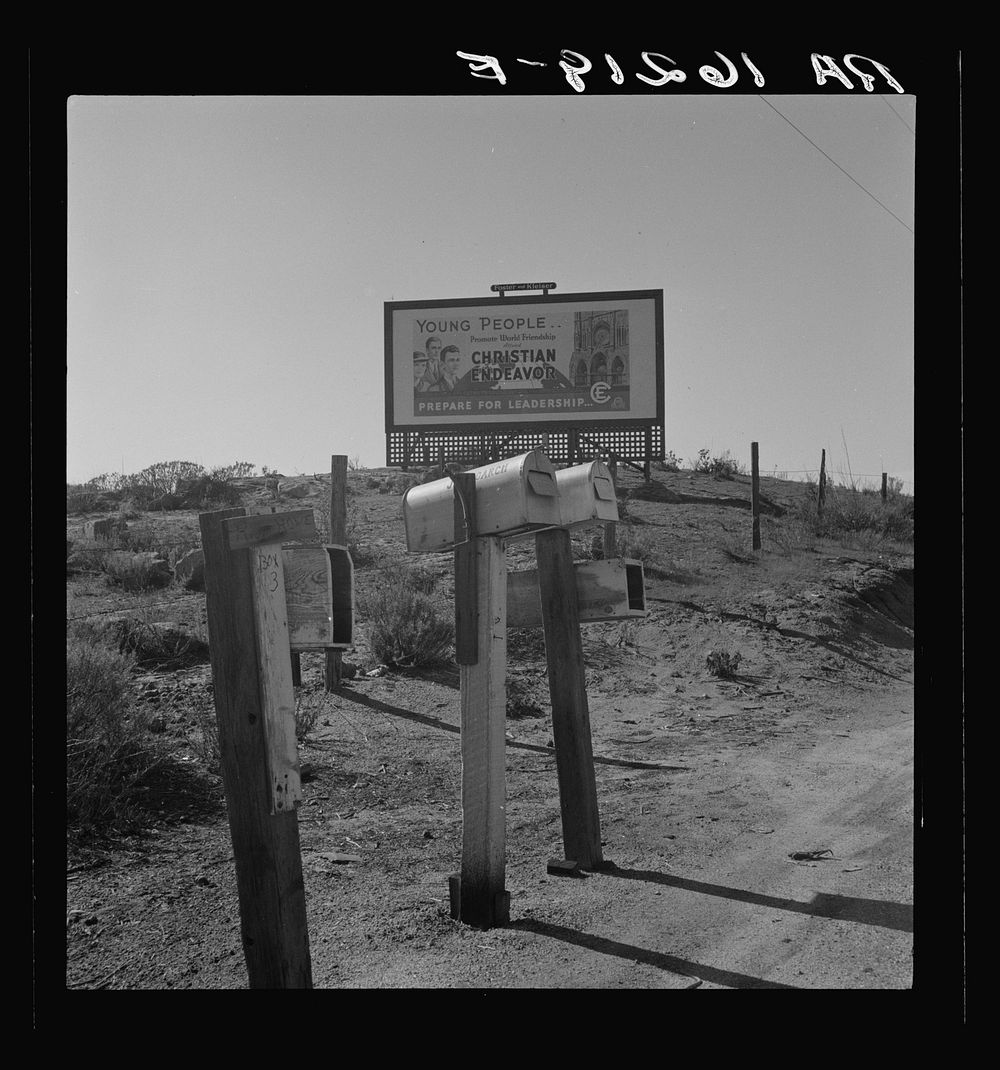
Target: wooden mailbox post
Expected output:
[304,568]
[477,894]
[581,822]
[255,708]
[485,507]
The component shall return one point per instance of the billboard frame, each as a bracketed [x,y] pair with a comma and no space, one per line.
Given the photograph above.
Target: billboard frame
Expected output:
[409,434]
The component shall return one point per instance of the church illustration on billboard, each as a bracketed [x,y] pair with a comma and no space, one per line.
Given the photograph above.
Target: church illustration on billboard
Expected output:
[600,349]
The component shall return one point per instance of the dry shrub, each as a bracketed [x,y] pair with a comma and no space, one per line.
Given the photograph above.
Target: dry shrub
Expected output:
[208,490]
[146,644]
[522,699]
[404,626]
[85,500]
[109,748]
[723,664]
[137,572]
[158,645]
[724,466]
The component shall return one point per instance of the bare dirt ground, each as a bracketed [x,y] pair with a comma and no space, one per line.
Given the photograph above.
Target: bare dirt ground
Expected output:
[761,826]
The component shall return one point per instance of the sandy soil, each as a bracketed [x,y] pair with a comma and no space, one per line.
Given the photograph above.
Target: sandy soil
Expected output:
[708,788]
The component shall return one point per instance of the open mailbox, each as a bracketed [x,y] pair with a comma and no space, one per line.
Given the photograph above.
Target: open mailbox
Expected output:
[586,494]
[606,590]
[319,596]
[515,496]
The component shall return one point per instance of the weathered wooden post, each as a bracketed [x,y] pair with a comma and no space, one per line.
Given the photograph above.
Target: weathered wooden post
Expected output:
[255,708]
[885,487]
[610,527]
[333,668]
[477,895]
[581,823]
[755,494]
[822,483]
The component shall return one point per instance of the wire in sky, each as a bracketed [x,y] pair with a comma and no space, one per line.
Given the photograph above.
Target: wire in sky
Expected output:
[835,164]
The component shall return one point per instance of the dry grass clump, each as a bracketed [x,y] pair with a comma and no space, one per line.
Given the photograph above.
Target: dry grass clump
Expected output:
[308,707]
[849,513]
[636,545]
[203,740]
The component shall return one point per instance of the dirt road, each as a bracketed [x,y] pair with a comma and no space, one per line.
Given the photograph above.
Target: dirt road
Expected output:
[760,825]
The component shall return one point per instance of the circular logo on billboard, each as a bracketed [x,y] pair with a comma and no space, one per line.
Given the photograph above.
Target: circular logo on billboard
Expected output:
[600,392]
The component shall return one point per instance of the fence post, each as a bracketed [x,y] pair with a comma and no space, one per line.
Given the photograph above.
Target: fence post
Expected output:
[822,482]
[885,487]
[755,494]
[581,821]
[254,700]
[333,669]
[477,895]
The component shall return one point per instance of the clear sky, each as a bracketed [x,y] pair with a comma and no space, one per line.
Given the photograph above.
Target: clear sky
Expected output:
[228,259]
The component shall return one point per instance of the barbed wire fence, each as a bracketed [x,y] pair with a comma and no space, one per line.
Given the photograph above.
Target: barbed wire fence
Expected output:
[778,472]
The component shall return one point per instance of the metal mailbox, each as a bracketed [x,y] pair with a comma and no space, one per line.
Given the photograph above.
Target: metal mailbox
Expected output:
[514,496]
[606,590]
[586,494]
[319,596]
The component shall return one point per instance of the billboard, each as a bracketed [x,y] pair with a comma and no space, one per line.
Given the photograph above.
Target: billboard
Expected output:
[485,364]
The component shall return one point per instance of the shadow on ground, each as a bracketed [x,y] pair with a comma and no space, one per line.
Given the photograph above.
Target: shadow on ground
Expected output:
[878,912]
[670,963]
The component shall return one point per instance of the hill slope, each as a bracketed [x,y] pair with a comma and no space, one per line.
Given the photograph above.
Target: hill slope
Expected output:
[707,786]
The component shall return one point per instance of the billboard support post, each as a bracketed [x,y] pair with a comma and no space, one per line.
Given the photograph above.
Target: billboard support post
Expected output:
[334,667]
